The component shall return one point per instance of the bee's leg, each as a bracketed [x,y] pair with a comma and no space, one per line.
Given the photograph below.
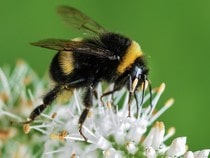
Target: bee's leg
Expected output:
[88,103]
[118,85]
[137,103]
[95,94]
[105,94]
[47,100]
[130,95]
[109,93]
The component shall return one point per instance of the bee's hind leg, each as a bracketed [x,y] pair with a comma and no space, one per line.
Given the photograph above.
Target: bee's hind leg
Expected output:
[88,98]
[47,100]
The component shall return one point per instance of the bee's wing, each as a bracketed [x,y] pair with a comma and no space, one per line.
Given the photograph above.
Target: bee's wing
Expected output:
[76,47]
[79,20]
[55,44]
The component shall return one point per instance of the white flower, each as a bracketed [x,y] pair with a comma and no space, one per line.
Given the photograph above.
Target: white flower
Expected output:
[202,153]
[198,154]
[189,154]
[150,152]
[177,147]
[110,133]
[155,136]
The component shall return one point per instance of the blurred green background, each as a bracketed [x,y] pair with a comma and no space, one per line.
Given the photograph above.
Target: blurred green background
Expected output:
[174,35]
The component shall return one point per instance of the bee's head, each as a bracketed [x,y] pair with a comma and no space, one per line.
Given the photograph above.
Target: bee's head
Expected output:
[139,75]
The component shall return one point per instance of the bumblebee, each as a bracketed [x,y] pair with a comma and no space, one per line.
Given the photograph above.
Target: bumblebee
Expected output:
[107,56]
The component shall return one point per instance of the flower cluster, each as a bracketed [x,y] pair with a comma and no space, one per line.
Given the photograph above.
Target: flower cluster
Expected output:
[109,130]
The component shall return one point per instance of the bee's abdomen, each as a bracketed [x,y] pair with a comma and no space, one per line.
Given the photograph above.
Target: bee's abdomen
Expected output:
[61,66]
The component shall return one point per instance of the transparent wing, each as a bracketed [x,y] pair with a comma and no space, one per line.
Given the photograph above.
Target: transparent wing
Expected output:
[76,47]
[79,20]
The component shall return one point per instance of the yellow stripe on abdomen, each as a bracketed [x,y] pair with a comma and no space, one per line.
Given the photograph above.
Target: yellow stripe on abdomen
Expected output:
[133,52]
[66,62]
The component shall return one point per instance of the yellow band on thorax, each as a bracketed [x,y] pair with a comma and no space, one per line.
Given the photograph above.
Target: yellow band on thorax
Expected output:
[133,52]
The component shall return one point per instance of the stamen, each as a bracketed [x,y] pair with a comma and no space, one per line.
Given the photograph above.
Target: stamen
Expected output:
[26,128]
[109,105]
[167,105]
[53,115]
[170,133]
[78,139]
[88,131]
[54,151]
[5,82]
[77,101]
[155,100]
[73,155]
[59,136]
